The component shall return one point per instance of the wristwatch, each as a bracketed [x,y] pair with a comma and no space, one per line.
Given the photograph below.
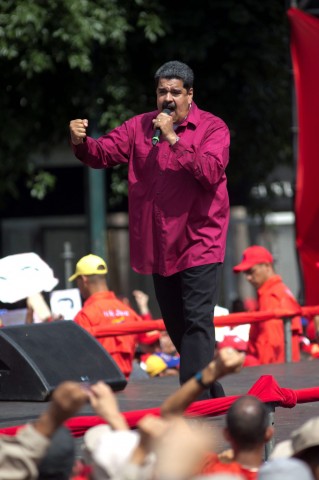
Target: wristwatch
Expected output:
[199,379]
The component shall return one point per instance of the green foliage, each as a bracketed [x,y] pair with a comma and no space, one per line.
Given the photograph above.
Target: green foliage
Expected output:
[96,58]
[40,184]
[152,26]
[240,55]
[61,59]
[42,34]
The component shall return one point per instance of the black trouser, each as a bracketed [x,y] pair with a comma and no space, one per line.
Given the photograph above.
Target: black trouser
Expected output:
[187,301]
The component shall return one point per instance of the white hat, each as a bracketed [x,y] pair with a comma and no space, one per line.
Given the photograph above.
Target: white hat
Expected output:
[112,452]
[302,438]
[91,439]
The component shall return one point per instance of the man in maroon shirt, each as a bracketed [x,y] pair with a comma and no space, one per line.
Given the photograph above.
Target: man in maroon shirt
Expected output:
[178,206]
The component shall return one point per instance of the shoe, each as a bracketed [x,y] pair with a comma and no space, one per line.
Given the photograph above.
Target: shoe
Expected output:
[216,390]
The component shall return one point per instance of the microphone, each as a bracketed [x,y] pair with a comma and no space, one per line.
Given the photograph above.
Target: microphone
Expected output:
[158,131]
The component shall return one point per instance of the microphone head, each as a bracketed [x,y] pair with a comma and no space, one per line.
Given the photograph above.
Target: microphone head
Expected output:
[155,139]
[156,136]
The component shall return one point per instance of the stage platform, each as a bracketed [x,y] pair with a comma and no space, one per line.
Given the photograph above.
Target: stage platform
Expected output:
[149,393]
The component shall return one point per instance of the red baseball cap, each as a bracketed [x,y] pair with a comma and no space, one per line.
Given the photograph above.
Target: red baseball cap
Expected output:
[252,256]
[148,338]
[233,341]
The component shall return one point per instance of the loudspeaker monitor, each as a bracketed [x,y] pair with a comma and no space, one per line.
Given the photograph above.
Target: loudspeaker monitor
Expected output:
[35,358]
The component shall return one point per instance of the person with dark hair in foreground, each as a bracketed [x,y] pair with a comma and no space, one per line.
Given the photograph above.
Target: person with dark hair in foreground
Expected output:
[115,452]
[247,428]
[247,431]
[58,462]
[178,207]
[21,454]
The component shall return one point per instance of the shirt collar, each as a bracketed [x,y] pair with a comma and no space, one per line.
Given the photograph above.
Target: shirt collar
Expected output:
[107,294]
[269,283]
[193,116]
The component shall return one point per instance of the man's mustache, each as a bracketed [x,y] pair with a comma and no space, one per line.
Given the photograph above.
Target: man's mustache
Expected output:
[169,105]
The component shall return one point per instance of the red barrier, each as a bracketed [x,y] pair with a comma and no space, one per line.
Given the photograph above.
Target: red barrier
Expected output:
[230,320]
[266,389]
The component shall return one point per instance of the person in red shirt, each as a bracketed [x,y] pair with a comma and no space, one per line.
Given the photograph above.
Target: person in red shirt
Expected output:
[247,428]
[101,308]
[266,339]
[240,345]
[178,206]
[247,431]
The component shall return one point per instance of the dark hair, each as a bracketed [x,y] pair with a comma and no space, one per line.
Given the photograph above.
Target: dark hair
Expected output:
[309,455]
[247,421]
[176,69]
[58,461]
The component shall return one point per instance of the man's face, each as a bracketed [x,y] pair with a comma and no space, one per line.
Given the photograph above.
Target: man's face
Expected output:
[171,93]
[81,285]
[258,274]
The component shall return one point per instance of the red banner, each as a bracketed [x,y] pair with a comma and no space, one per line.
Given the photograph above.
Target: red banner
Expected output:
[305,59]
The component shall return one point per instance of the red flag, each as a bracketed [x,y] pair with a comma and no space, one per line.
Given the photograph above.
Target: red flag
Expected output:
[305,59]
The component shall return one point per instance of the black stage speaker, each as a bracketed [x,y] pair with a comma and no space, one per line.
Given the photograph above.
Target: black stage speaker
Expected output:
[35,358]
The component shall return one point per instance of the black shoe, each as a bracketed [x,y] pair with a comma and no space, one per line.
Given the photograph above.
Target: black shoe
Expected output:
[216,390]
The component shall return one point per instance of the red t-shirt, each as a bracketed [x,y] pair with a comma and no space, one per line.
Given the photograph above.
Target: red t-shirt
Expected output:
[101,309]
[214,465]
[266,339]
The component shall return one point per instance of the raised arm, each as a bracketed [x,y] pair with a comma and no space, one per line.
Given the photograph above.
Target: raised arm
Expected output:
[78,130]
[20,454]
[104,403]
[227,361]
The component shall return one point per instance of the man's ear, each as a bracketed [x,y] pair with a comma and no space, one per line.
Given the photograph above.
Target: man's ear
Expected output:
[83,279]
[269,433]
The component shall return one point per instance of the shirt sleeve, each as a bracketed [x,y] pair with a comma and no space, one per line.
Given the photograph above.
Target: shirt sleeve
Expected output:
[146,316]
[20,454]
[83,320]
[208,160]
[106,151]
[286,301]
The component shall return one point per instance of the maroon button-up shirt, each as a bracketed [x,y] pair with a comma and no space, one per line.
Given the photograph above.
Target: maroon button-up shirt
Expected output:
[178,200]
